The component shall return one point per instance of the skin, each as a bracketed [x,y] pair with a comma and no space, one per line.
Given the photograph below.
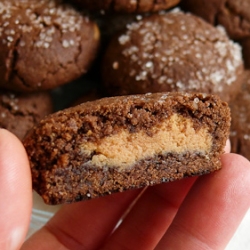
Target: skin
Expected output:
[203,212]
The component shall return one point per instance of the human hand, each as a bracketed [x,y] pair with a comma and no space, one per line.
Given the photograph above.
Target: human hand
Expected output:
[194,213]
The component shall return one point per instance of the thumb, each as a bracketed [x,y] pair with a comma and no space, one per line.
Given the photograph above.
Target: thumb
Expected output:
[15,192]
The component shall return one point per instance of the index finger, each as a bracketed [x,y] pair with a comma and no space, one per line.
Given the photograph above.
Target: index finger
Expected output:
[15,194]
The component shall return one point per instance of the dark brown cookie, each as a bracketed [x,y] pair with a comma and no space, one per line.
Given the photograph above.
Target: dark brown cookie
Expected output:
[20,112]
[208,10]
[127,6]
[43,44]
[119,143]
[240,128]
[172,52]
[233,15]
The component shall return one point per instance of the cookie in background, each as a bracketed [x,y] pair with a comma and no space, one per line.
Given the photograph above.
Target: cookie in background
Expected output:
[44,44]
[20,112]
[126,6]
[172,51]
[240,127]
[232,14]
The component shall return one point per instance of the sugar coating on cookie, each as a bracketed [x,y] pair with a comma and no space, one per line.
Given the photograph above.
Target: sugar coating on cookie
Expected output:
[240,127]
[43,44]
[172,51]
[20,112]
[233,15]
[119,143]
[127,6]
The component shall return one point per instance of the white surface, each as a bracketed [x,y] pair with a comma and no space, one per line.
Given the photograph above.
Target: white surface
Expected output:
[41,213]
[241,239]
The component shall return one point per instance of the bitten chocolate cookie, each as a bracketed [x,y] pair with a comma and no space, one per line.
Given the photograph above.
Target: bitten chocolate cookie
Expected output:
[172,52]
[127,6]
[119,143]
[20,112]
[233,15]
[240,128]
[43,44]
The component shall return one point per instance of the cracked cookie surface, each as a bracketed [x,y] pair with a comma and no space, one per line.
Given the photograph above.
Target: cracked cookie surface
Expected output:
[172,51]
[43,44]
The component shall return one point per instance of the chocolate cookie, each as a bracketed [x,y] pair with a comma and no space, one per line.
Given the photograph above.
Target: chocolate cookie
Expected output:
[233,15]
[119,143]
[127,6]
[240,128]
[172,52]
[20,112]
[43,44]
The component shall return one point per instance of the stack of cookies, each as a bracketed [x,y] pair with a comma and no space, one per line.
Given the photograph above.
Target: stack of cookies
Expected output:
[134,53]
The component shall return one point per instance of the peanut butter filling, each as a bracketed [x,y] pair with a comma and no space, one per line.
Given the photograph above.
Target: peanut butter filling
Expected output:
[176,135]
